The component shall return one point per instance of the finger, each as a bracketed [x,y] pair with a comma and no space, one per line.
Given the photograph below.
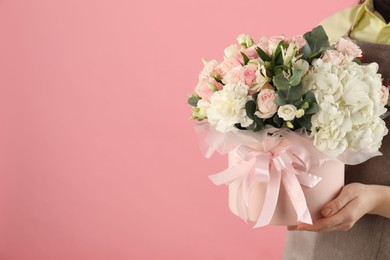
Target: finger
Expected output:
[321,225]
[291,228]
[343,220]
[338,203]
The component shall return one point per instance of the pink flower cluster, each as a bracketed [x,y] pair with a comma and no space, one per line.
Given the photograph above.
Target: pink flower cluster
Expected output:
[233,70]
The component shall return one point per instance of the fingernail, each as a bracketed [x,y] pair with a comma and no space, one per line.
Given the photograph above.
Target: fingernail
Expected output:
[326,212]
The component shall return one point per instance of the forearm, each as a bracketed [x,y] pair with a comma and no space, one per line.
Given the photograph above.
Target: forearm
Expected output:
[382,200]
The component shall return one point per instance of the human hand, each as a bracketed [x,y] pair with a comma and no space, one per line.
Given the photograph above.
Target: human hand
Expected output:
[354,201]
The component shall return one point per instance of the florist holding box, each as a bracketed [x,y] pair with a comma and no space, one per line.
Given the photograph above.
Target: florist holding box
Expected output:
[307,107]
[363,206]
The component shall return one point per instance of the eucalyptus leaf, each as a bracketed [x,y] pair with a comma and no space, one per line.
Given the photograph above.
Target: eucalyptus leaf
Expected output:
[313,108]
[305,122]
[281,82]
[316,42]
[250,108]
[280,98]
[294,94]
[296,77]
[259,124]
[278,121]
[309,97]
[193,101]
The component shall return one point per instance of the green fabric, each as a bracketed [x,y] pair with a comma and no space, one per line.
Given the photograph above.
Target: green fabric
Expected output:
[366,24]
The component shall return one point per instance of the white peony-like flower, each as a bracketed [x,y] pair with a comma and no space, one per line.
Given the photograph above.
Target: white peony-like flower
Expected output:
[368,136]
[350,100]
[227,108]
[287,112]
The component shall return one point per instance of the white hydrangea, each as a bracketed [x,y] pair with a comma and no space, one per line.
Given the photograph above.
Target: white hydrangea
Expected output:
[227,108]
[349,97]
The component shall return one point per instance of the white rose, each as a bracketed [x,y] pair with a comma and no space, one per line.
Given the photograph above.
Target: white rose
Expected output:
[200,111]
[227,108]
[287,112]
[245,40]
[231,51]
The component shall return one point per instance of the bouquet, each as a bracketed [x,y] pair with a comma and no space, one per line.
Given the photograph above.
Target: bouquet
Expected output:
[316,99]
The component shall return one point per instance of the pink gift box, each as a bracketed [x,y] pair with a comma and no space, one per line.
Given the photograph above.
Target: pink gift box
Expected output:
[332,174]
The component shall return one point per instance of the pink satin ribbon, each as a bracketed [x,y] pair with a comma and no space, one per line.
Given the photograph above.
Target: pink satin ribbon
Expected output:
[287,166]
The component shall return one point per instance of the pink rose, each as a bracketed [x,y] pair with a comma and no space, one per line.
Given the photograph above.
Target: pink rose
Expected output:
[275,40]
[251,53]
[234,76]
[204,90]
[265,103]
[227,65]
[250,76]
[263,44]
[333,56]
[385,95]
[348,48]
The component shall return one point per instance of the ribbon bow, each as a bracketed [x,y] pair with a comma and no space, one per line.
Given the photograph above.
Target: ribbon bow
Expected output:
[287,165]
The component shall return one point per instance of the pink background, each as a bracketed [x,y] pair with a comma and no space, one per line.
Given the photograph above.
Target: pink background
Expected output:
[98,159]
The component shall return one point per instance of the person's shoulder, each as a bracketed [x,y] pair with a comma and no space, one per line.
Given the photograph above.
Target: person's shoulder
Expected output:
[338,24]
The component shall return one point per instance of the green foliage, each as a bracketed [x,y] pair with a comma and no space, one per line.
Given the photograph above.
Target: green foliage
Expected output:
[281,82]
[258,124]
[296,77]
[277,56]
[305,121]
[264,56]
[193,100]
[250,108]
[316,42]
[246,59]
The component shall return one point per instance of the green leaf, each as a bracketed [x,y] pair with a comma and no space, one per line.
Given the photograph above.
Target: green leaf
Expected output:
[357,61]
[259,124]
[250,108]
[298,103]
[278,121]
[294,94]
[246,59]
[313,108]
[278,50]
[280,98]
[305,122]
[296,77]
[193,100]
[316,42]
[281,82]
[309,97]
[238,125]
[264,56]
